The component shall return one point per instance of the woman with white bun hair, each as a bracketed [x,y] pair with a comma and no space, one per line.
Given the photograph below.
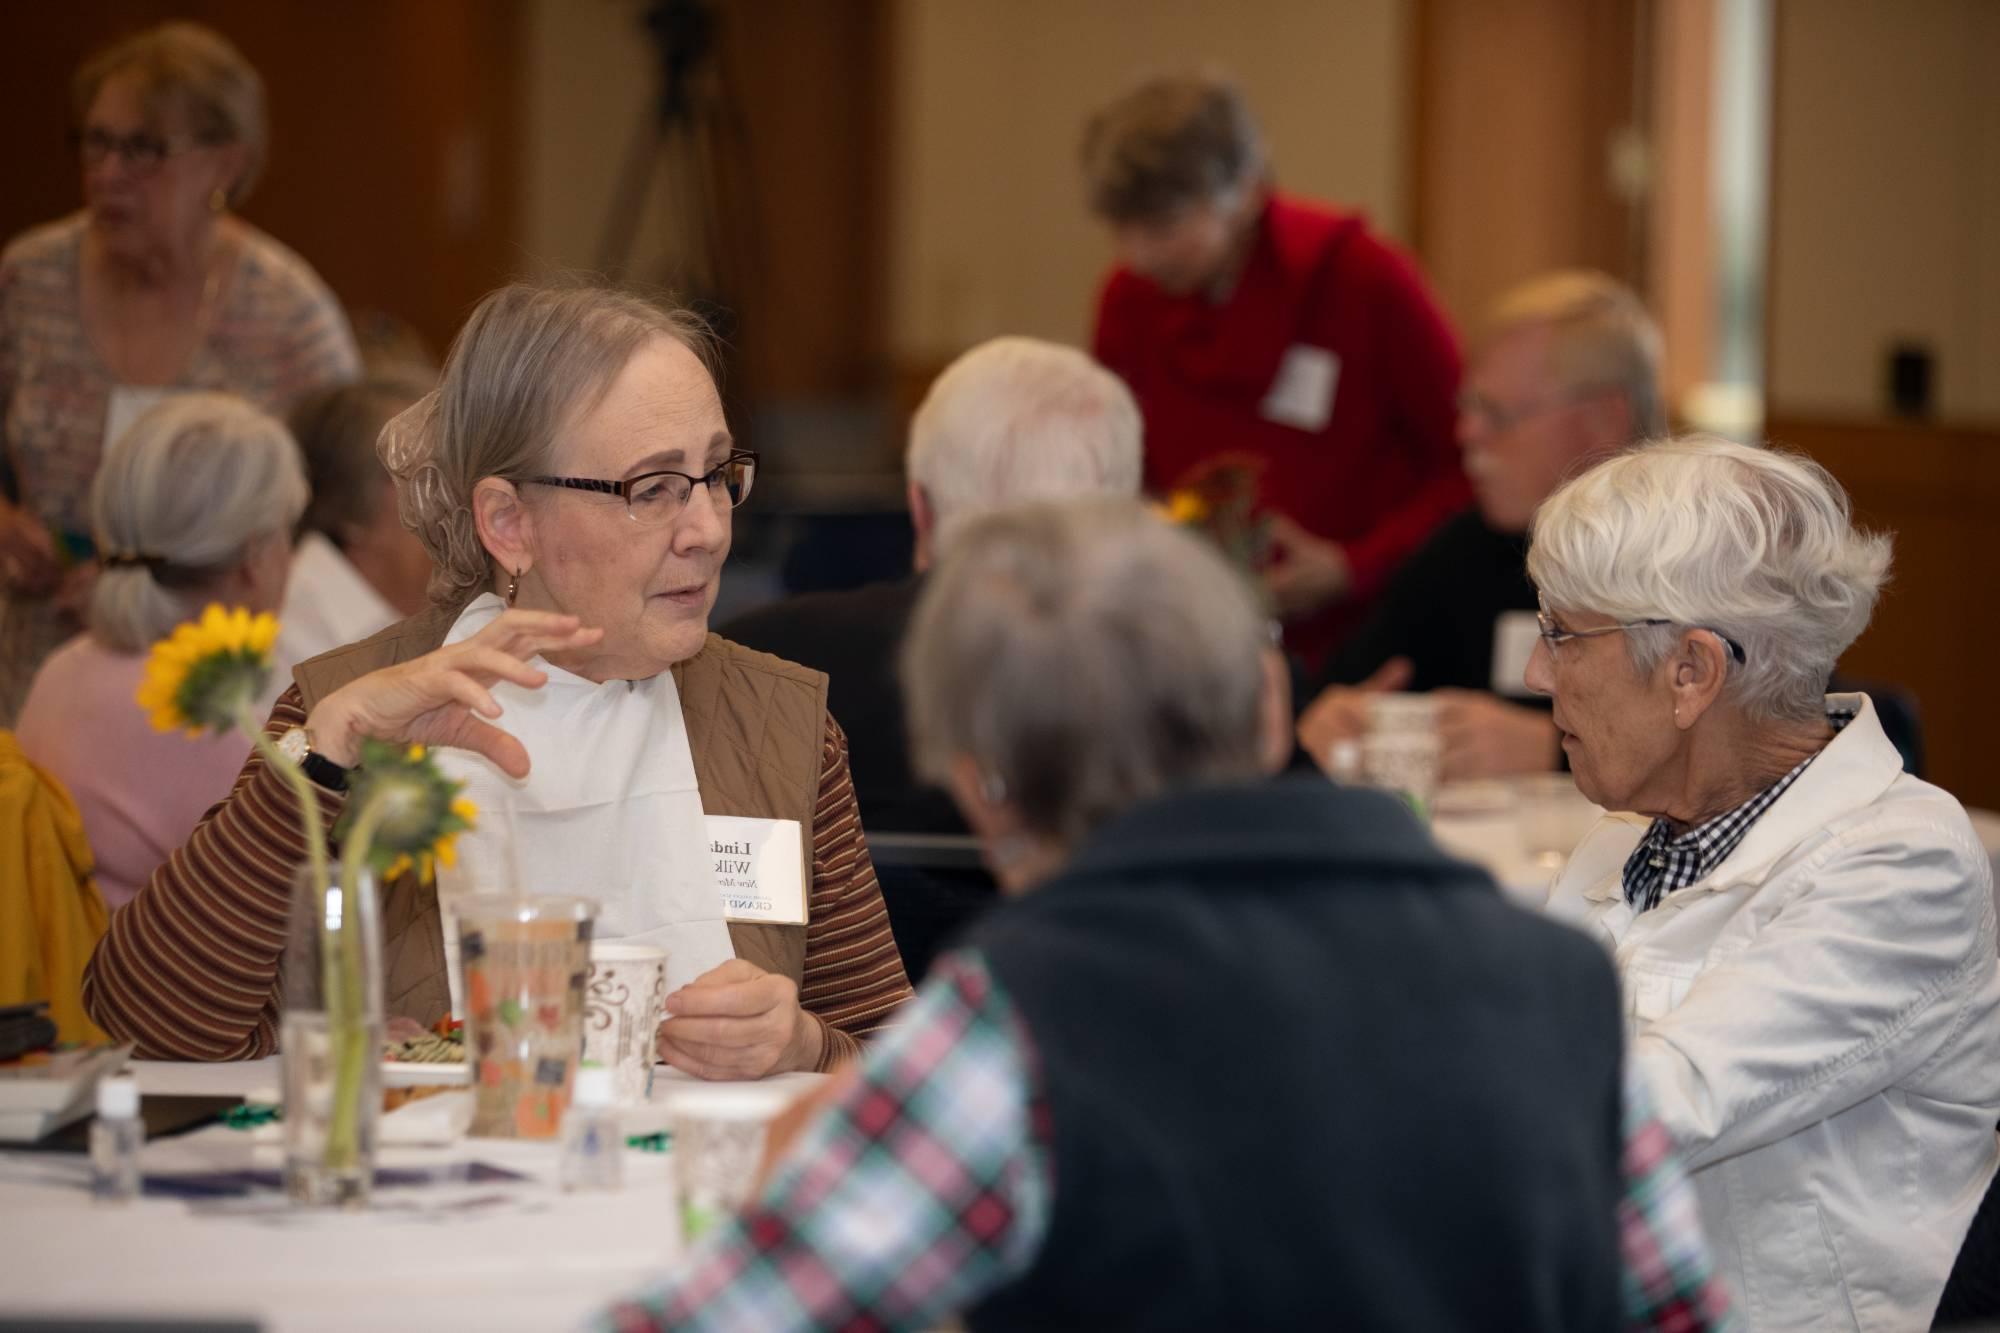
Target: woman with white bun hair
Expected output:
[1804,931]
[194,504]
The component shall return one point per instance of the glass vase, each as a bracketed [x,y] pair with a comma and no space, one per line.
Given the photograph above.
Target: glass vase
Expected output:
[330,1040]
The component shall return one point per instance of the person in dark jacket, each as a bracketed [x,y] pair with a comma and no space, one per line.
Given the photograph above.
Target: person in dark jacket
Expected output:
[1012,420]
[1566,373]
[1237,1052]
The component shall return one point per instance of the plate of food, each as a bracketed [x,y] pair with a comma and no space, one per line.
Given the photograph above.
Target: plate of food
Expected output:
[432,1062]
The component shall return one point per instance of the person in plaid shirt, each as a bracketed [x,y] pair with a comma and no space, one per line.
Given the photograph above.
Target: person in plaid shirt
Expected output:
[1014,1147]
[926,1186]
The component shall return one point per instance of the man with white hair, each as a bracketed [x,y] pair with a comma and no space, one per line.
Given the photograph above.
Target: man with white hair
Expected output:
[1568,372]
[1012,420]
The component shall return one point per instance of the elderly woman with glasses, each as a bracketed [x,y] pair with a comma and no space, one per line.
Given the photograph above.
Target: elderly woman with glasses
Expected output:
[155,288]
[1805,932]
[574,481]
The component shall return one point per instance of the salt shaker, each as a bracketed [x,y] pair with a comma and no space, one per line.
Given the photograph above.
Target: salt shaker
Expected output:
[116,1136]
[593,1150]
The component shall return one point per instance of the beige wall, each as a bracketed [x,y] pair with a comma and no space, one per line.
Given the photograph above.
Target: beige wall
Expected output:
[988,230]
[1885,202]
[588,80]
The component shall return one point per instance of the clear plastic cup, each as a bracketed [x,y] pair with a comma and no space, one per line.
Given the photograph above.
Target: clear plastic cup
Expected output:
[525,962]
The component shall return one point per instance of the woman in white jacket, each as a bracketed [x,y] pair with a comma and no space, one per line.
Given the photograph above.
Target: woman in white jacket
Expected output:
[1805,933]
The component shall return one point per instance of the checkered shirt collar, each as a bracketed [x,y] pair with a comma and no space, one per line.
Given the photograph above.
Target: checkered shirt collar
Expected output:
[1664,861]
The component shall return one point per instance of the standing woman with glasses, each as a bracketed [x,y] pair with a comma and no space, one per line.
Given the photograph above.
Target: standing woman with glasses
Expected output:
[574,481]
[155,287]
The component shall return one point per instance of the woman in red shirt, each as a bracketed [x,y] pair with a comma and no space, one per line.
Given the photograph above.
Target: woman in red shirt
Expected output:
[1255,325]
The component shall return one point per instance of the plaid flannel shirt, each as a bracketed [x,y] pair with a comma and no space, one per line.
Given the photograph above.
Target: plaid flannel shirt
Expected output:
[1665,861]
[928,1186]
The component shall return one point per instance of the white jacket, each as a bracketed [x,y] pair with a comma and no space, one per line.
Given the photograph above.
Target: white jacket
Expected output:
[1819,1021]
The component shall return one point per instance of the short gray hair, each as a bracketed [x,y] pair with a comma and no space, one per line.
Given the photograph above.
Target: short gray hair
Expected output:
[1086,656]
[1601,338]
[530,359]
[1019,419]
[182,495]
[1756,544]
[1172,141]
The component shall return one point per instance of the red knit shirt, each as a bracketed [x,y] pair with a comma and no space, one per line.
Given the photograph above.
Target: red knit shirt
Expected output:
[1383,471]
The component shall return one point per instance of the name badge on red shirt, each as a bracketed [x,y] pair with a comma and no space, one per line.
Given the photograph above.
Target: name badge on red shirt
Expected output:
[1302,392]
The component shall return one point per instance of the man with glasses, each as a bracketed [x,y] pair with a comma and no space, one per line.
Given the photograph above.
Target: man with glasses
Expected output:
[1566,374]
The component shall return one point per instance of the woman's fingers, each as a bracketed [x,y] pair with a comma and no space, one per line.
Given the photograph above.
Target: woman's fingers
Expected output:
[463,689]
[526,633]
[488,664]
[467,732]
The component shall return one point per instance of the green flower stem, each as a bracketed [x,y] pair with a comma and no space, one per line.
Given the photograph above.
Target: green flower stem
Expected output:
[347,1019]
[340,958]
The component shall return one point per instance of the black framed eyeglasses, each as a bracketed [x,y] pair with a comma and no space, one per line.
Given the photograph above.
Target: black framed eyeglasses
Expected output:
[652,498]
[141,152]
[1555,635]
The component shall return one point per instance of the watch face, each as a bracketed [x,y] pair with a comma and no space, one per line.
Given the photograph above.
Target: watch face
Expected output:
[294,744]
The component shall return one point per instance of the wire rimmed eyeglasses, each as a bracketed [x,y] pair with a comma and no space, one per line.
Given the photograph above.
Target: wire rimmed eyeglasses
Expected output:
[1555,635]
[656,497]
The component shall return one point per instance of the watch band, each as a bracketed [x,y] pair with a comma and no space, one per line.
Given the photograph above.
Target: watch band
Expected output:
[324,771]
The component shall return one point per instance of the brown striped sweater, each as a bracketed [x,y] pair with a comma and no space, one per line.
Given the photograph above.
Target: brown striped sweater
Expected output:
[189,968]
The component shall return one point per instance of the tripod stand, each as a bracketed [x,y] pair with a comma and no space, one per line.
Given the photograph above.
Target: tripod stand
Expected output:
[691,137]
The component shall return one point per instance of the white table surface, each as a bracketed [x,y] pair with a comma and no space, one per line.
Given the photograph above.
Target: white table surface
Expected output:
[499,1257]
[1481,822]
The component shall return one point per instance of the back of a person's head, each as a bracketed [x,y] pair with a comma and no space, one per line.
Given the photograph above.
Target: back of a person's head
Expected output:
[1016,420]
[337,429]
[1087,656]
[1600,337]
[178,501]
[1171,142]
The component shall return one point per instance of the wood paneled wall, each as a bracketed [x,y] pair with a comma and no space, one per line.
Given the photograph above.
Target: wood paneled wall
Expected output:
[1936,631]
[1516,102]
[395,130]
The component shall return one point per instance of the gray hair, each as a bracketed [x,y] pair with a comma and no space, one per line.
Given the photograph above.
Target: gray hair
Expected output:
[1757,545]
[195,69]
[1601,338]
[1172,141]
[1019,419]
[180,499]
[530,360]
[1086,656]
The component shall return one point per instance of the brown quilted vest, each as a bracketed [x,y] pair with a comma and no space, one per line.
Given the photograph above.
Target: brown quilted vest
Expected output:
[756,725]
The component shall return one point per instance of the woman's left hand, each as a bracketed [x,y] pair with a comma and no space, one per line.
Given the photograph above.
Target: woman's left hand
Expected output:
[737,1021]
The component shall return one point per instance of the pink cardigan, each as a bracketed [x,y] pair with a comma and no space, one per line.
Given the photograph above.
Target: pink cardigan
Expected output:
[140,791]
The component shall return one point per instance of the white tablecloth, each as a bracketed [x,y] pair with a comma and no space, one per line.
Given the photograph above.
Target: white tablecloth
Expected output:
[491,1257]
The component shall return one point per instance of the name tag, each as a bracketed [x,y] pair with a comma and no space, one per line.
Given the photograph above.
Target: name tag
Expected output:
[760,868]
[1515,634]
[1302,393]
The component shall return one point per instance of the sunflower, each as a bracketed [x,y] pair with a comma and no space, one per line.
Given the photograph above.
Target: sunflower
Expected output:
[207,673]
[409,813]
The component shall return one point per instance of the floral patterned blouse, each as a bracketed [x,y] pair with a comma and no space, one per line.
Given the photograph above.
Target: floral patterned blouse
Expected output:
[276,334]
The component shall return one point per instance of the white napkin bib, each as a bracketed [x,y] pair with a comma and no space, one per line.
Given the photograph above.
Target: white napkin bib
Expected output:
[610,811]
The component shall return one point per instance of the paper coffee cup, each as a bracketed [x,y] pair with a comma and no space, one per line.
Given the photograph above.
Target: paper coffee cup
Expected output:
[623,1005]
